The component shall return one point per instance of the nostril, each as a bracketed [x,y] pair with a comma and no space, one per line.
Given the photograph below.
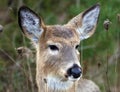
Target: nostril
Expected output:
[75,72]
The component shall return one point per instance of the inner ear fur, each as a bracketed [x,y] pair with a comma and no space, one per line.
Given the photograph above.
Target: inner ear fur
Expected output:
[85,23]
[77,20]
[30,23]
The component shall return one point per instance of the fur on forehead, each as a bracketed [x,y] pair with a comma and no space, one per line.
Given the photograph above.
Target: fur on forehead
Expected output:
[62,32]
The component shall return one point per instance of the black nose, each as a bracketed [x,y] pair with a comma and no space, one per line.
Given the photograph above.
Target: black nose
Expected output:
[74,71]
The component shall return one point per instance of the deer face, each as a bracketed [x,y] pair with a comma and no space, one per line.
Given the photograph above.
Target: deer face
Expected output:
[57,53]
[60,52]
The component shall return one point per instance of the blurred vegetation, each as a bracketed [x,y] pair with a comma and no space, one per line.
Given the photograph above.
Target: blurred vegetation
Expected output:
[100,55]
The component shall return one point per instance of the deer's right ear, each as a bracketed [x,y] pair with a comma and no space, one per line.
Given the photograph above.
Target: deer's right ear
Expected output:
[30,23]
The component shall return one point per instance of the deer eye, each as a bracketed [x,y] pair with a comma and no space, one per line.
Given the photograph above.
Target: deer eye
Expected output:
[53,47]
[77,46]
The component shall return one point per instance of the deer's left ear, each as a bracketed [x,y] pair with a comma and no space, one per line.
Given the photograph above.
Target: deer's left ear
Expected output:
[85,23]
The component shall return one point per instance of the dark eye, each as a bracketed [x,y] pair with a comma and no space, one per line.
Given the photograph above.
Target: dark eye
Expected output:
[53,47]
[77,46]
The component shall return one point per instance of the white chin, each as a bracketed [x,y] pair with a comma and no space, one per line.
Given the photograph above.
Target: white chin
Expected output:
[57,84]
[71,78]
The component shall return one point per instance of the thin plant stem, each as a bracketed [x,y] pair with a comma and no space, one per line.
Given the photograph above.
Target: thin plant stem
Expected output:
[107,67]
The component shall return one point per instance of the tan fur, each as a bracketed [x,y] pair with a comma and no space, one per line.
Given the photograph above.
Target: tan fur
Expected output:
[52,66]
[44,68]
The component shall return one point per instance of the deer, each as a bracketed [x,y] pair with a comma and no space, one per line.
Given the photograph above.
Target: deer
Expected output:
[58,67]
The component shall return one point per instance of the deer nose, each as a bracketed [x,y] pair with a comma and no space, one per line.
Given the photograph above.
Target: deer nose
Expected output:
[74,71]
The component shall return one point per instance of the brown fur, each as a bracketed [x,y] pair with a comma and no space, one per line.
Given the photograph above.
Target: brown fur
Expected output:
[52,65]
[49,64]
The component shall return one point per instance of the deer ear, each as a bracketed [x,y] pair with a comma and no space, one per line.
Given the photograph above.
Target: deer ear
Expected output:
[30,23]
[85,23]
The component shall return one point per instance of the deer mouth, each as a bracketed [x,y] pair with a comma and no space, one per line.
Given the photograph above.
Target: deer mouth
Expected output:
[71,78]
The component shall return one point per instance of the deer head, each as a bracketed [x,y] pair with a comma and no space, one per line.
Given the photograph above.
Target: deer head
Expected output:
[57,45]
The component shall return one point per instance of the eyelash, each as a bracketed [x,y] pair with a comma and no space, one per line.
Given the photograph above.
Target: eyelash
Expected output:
[53,47]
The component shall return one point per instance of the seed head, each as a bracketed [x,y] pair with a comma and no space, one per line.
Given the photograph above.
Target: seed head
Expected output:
[106,24]
[24,52]
[1,28]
